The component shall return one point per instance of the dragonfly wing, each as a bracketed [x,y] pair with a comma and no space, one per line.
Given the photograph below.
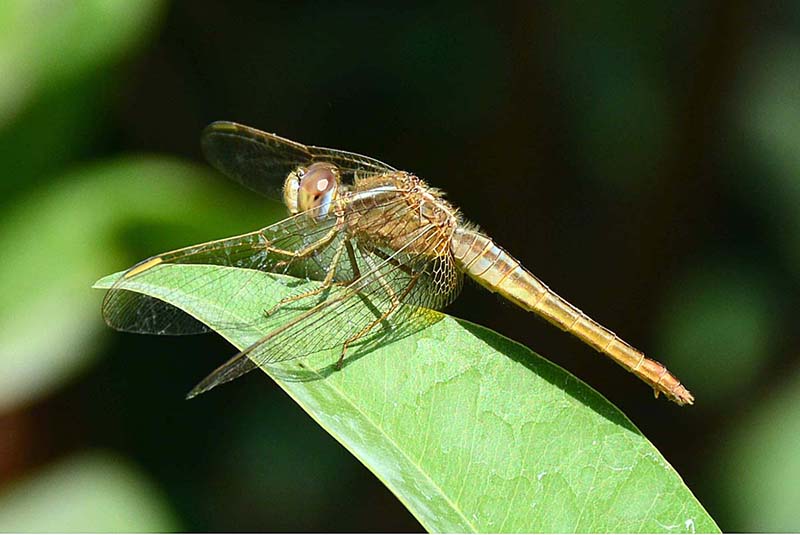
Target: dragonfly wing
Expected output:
[133,311]
[386,301]
[262,161]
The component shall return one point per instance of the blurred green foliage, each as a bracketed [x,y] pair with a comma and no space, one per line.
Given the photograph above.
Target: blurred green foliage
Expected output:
[720,309]
[92,492]
[59,62]
[770,117]
[103,204]
[642,158]
[48,45]
[758,466]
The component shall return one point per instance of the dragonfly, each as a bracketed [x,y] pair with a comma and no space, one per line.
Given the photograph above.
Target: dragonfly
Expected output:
[381,245]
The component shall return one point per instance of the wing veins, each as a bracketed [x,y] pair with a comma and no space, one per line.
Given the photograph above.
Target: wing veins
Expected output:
[234,367]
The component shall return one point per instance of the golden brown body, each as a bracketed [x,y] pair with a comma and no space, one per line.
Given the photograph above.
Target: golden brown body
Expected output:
[425,209]
[499,272]
[479,257]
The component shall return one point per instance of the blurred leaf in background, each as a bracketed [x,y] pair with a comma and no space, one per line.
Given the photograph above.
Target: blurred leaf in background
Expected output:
[717,327]
[613,79]
[758,464]
[58,64]
[87,222]
[46,44]
[769,119]
[60,70]
[753,480]
[89,493]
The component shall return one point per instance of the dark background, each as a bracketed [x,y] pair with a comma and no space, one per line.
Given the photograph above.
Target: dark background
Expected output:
[642,158]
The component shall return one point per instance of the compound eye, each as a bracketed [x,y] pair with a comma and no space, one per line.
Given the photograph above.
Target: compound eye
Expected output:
[318,187]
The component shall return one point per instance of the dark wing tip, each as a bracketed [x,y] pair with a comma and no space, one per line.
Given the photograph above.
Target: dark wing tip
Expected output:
[221,126]
[237,366]
[229,128]
[194,392]
[211,132]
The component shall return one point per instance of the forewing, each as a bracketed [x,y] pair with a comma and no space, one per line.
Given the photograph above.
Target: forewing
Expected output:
[136,312]
[262,161]
[394,291]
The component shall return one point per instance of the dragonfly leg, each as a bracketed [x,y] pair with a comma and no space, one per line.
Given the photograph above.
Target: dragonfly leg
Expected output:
[396,300]
[308,249]
[385,285]
[351,254]
[326,283]
[393,261]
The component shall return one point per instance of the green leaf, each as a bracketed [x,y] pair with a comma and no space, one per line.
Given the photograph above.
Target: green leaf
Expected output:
[471,431]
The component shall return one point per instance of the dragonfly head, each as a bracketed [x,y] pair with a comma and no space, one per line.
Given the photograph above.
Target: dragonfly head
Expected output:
[313,188]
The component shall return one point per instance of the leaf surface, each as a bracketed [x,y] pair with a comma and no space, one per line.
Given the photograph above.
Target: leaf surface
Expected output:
[471,431]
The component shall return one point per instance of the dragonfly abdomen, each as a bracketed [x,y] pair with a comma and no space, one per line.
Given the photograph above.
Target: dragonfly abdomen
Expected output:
[498,271]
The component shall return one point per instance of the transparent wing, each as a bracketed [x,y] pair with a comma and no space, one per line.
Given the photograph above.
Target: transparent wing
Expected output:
[388,300]
[262,161]
[135,312]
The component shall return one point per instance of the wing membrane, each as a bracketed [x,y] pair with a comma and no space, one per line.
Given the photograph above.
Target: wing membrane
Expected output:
[262,161]
[135,312]
[386,301]
[377,291]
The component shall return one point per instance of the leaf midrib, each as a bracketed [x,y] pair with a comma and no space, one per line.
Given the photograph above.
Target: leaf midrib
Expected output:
[393,444]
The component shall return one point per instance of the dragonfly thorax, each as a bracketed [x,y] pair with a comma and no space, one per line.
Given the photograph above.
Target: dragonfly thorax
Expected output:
[432,207]
[312,189]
